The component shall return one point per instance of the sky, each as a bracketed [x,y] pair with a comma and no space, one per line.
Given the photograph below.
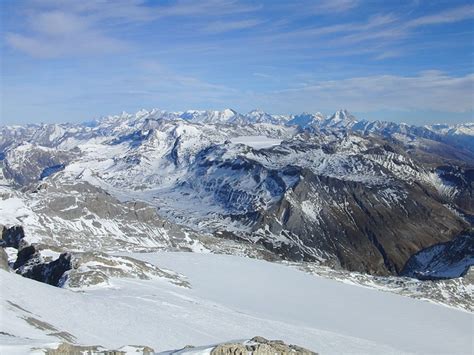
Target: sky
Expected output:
[70,61]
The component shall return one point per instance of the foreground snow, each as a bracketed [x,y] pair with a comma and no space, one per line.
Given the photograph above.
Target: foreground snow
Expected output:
[231,298]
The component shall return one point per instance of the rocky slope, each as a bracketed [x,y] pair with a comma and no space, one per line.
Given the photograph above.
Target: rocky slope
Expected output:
[55,266]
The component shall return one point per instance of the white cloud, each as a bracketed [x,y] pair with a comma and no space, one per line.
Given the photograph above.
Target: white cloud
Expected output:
[263,75]
[333,6]
[448,16]
[206,8]
[429,90]
[226,26]
[54,28]
[392,53]
[58,23]
[77,44]
[57,33]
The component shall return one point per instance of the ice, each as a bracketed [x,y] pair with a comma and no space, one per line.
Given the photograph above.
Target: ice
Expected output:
[256,142]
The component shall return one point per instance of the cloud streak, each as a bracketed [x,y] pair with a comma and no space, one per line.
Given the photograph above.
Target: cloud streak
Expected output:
[429,90]
[448,16]
[70,28]
[333,6]
[226,26]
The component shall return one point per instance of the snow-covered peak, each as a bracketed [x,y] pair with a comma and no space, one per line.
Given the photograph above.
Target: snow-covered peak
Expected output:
[306,119]
[340,119]
[256,112]
[260,116]
[209,116]
[342,115]
[228,112]
[458,129]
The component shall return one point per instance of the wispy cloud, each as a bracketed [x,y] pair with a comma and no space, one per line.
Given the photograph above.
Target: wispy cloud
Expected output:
[263,75]
[429,90]
[70,28]
[48,47]
[206,7]
[226,26]
[55,28]
[448,16]
[391,53]
[379,32]
[56,33]
[333,6]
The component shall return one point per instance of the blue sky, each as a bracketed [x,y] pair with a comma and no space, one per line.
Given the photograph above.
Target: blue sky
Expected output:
[410,61]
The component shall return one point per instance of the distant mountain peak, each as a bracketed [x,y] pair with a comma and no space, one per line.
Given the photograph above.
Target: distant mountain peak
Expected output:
[256,111]
[342,114]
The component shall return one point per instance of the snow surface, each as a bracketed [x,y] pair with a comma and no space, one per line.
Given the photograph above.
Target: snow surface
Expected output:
[256,142]
[232,298]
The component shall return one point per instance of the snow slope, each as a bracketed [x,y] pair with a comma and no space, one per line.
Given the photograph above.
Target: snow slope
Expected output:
[231,298]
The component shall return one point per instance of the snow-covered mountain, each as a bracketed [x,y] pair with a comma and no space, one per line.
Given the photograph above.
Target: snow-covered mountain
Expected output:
[336,190]
[455,130]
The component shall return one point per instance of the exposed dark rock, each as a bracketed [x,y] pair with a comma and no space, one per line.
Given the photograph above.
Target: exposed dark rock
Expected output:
[52,272]
[25,254]
[463,180]
[11,236]
[29,262]
[444,260]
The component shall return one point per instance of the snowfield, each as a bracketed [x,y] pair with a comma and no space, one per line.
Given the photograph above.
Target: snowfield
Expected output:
[256,142]
[230,298]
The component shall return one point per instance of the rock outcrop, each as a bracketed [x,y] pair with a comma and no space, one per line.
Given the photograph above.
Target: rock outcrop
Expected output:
[71,349]
[260,346]
[29,262]
[444,260]
[4,260]
[97,268]
[11,236]
[76,269]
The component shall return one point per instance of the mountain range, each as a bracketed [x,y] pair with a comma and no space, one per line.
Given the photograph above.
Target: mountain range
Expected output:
[353,194]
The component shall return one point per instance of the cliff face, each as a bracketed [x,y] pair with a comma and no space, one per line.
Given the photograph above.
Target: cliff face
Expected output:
[360,228]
